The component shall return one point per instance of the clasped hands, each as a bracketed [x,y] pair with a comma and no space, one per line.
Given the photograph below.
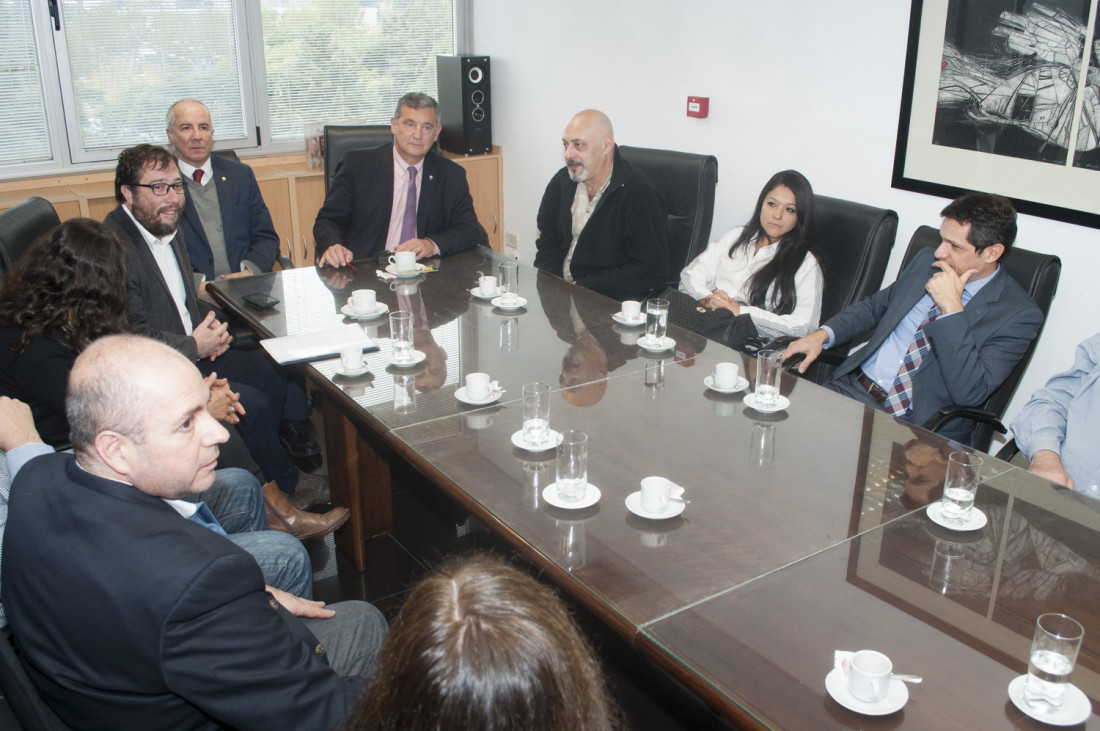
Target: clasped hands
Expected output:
[339,255]
[224,404]
[212,338]
[719,300]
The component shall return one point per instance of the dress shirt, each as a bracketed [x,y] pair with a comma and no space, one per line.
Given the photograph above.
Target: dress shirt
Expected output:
[716,269]
[883,365]
[161,249]
[188,171]
[1064,417]
[582,209]
[401,195]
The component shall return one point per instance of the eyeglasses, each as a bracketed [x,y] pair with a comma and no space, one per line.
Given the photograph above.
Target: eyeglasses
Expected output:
[160,189]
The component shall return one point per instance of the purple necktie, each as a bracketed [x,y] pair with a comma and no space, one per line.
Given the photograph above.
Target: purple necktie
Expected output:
[901,393]
[408,222]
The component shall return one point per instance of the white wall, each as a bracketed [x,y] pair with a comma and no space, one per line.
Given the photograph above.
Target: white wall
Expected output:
[792,84]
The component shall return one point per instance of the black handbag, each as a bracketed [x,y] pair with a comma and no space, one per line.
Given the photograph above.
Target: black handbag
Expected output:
[722,326]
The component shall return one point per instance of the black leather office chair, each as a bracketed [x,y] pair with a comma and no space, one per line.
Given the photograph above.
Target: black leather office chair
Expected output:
[28,708]
[1038,274]
[227,154]
[687,182]
[339,139]
[20,226]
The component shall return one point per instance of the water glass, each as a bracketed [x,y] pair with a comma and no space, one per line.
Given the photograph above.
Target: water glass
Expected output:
[960,484]
[401,336]
[508,274]
[1053,655]
[572,480]
[536,412]
[768,365]
[656,320]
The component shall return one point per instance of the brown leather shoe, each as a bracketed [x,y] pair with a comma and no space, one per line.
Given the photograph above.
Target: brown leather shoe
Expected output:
[301,524]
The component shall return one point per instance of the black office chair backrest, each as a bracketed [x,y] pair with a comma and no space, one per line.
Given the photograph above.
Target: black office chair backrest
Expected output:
[687,182]
[227,154]
[28,708]
[339,139]
[20,226]
[1038,274]
[853,241]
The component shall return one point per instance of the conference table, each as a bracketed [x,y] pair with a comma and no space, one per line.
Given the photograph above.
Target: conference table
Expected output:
[804,531]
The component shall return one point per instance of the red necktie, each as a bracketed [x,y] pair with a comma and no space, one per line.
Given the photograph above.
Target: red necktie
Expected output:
[198,176]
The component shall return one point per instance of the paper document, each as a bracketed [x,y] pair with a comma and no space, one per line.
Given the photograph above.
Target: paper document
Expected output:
[315,345]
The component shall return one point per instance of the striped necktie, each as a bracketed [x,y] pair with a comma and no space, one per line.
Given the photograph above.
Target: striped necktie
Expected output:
[901,393]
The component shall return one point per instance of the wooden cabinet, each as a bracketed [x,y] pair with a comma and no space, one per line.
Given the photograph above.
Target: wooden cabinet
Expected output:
[293,193]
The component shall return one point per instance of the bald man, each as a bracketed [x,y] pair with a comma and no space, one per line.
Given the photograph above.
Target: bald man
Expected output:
[602,224]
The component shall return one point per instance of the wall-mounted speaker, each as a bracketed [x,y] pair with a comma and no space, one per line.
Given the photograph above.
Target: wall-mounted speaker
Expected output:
[464,104]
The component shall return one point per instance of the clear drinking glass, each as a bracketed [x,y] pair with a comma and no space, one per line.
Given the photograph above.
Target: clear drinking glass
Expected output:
[536,412]
[960,485]
[572,480]
[509,281]
[768,365]
[656,320]
[1053,655]
[401,336]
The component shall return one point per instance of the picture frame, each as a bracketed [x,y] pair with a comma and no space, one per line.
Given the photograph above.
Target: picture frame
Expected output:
[991,101]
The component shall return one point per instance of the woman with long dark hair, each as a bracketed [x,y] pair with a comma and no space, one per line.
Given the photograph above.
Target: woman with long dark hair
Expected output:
[767,268]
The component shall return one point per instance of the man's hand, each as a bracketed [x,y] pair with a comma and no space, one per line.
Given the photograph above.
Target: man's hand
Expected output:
[300,607]
[424,248]
[204,295]
[224,404]
[16,424]
[336,255]
[211,337]
[946,287]
[236,275]
[810,345]
[1048,465]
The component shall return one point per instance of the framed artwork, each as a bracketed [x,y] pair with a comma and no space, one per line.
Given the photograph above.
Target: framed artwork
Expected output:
[1003,96]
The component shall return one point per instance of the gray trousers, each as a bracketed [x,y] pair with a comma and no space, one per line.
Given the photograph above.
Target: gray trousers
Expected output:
[351,638]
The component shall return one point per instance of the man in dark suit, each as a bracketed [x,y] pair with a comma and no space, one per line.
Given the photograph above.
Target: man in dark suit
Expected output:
[949,330]
[601,223]
[226,225]
[399,197]
[128,610]
[164,304]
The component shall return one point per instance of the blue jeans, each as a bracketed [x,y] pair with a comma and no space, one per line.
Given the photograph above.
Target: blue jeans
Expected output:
[237,501]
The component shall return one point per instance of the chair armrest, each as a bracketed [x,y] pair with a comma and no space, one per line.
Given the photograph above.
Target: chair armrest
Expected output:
[950,413]
[284,262]
[1008,451]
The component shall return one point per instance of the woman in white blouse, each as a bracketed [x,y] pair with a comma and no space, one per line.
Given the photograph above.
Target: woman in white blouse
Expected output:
[766,268]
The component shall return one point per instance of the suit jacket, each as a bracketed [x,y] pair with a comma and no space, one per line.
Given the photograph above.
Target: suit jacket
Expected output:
[357,208]
[128,616]
[623,250]
[246,222]
[973,351]
[152,310]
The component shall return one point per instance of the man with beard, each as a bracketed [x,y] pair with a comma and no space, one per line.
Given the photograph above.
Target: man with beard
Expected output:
[601,223]
[164,305]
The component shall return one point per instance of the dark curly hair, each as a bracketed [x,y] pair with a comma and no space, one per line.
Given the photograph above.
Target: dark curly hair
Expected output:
[70,285]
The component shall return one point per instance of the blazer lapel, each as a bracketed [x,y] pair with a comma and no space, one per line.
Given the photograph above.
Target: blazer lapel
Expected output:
[225,181]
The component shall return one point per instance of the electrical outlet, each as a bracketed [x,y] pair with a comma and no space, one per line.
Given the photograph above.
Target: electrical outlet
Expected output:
[511,243]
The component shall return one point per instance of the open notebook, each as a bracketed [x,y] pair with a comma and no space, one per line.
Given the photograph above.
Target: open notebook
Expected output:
[315,345]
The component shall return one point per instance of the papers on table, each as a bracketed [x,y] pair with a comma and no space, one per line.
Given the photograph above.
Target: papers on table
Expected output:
[315,345]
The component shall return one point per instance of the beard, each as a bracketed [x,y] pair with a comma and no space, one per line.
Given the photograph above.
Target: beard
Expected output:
[149,218]
[579,176]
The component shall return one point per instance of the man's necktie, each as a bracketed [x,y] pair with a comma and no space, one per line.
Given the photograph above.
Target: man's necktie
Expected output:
[198,176]
[408,222]
[203,516]
[901,393]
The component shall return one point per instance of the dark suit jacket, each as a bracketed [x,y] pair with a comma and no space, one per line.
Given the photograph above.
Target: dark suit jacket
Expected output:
[152,310]
[357,208]
[623,250]
[246,222]
[128,616]
[973,351]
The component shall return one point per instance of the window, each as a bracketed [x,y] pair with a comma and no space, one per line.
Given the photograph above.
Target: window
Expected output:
[266,68]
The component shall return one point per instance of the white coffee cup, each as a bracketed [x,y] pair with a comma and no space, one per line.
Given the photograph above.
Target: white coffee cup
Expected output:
[725,375]
[362,301]
[487,285]
[403,261]
[656,494]
[477,386]
[632,310]
[869,676]
[351,358]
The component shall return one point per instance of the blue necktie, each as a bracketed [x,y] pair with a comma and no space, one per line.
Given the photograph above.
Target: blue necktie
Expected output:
[203,516]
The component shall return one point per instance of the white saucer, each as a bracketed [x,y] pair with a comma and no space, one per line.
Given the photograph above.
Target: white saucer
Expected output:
[591,497]
[418,358]
[351,374]
[666,344]
[498,301]
[552,439]
[634,505]
[1075,705]
[741,385]
[895,699]
[460,394]
[618,317]
[781,403]
[976,520]
[476,292]
[380,308]
[420,269]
